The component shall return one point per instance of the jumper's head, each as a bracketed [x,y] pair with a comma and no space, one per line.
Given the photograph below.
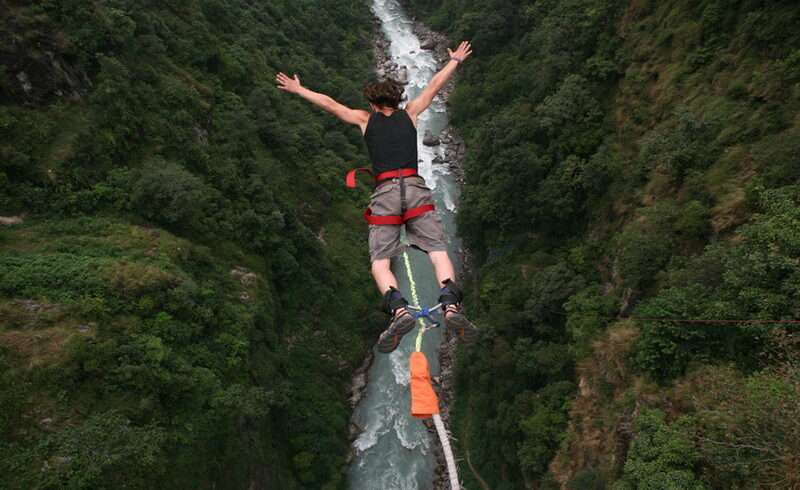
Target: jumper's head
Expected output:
[383,93]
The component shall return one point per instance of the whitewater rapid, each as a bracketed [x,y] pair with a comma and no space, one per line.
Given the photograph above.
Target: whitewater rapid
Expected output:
[394,450]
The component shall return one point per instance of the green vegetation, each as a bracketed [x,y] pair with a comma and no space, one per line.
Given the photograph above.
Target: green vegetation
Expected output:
[628,159]
[662,456]
[170,310]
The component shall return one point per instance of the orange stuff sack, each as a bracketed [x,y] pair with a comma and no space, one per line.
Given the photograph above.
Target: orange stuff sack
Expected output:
[424,402]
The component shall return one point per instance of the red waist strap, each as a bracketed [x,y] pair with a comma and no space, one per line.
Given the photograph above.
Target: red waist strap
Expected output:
[397,219]
[350,178]
[350,181]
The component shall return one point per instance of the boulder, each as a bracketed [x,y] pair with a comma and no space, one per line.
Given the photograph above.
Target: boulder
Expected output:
[11,220]
[428,44]
[402,75]
[430,140]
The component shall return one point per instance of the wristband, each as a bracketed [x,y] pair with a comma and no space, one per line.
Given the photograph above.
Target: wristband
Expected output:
[457,59]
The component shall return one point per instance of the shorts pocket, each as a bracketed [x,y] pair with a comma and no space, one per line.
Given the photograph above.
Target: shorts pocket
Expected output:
[380,191]
[418,194]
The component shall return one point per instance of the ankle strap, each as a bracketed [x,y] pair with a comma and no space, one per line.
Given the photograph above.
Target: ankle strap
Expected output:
[451,294]
[392,300]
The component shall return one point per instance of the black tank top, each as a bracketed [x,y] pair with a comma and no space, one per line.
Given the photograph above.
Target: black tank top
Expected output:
[391,141]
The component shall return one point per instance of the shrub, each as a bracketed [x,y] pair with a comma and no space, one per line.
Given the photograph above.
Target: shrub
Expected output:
[662,455]
[588,313]
[105,451]
[587,479]
[642,250]
[749,431]
[543,429]
[679,145]
[550,288]
[167,193]
[693,222]
[664,349]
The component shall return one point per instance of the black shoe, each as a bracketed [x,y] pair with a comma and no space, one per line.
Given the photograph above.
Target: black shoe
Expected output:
[391,337]
[458,324]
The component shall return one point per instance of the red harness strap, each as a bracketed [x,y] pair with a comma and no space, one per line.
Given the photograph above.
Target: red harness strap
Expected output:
[412,213]
[350,181]
[350,178]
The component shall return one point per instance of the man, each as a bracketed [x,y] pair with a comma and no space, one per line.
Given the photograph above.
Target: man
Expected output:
[401,197]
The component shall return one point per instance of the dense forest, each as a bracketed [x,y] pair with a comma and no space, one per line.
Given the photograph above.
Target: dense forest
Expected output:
[176,245]
[632,177]
[184,287]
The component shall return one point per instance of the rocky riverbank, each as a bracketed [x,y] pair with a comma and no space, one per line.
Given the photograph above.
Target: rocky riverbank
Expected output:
[357,387]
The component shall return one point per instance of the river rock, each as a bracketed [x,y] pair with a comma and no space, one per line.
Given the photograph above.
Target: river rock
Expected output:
[428,44]
[11,220]
[401,76]
[438,160]
[430,139]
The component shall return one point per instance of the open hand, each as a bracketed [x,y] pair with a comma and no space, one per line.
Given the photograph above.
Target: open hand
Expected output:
[288,84]
[462,52]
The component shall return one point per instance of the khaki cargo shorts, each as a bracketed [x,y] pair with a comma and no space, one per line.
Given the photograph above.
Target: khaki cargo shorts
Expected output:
[424,232]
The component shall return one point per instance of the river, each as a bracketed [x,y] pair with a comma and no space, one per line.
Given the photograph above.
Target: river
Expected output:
[395,451]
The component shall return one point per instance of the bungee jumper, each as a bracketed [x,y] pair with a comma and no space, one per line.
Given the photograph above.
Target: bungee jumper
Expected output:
[401,198]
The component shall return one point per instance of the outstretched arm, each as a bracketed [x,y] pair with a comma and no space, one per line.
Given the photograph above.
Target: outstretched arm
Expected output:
[346,114]
[419,104]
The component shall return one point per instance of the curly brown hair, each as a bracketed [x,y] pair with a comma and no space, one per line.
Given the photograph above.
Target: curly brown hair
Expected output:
[384,93]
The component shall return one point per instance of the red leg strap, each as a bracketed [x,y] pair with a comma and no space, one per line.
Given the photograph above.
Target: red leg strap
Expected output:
[374,219]
[397,219]
[418,211]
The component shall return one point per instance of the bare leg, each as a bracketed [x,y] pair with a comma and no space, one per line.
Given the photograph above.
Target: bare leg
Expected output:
[442,266]
[382,273]
[384,278]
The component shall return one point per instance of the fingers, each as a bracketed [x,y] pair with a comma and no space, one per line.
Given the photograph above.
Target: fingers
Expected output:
[464,49]
[286,83]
